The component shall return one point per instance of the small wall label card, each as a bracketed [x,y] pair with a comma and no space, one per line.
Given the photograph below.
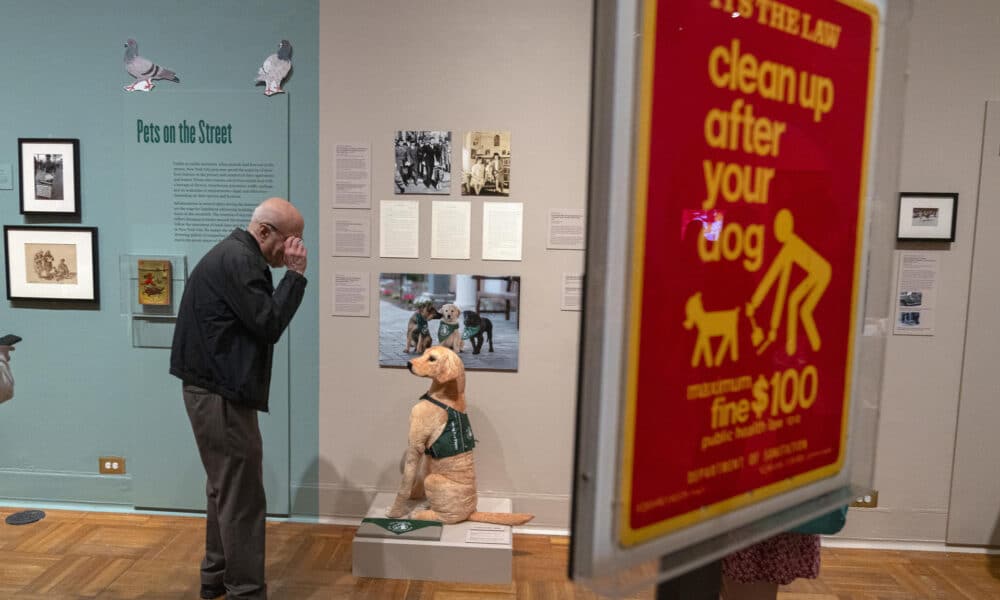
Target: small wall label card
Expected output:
[154,282]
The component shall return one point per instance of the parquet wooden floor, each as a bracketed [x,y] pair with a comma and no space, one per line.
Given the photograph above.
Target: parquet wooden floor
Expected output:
[110,556]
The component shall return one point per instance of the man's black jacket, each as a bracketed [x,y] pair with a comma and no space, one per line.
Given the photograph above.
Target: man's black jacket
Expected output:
[229,319]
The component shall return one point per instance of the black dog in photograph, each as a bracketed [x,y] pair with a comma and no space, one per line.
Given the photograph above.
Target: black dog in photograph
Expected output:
[476,327]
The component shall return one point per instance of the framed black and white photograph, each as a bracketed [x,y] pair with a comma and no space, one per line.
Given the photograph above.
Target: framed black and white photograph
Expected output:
[486,163]
[51,263]
[927,217]
[50,176]
[423,162]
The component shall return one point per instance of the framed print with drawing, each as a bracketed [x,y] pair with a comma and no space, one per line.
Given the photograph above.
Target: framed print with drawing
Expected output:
[50,176]
[51,263]
[927,217]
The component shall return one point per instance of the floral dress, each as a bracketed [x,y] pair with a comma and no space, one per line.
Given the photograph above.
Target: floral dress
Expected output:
[780,559]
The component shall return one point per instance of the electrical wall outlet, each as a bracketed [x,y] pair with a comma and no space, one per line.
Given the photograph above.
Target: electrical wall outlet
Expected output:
[111,465]
[869,500]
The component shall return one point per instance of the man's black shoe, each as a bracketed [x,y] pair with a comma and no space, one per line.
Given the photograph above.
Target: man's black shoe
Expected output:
[211,592]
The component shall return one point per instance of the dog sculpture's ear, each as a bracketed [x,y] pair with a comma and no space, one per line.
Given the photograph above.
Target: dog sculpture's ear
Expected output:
[446,364]
[452,369]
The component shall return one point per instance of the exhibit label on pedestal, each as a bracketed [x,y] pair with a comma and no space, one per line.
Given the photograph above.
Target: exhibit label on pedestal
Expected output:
[751,159]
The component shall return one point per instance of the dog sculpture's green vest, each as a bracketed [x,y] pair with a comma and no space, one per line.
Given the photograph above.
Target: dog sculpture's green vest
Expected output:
[457,435]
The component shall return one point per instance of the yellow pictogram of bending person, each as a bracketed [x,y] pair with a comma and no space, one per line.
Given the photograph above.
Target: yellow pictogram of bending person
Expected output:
[803,298]
[712,324]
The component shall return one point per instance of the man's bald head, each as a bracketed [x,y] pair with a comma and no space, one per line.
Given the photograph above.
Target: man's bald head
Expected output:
[273,222]
[282,214]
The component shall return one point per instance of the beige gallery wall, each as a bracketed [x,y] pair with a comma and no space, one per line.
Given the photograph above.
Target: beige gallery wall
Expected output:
[521,66]
[525,66]
[951,74]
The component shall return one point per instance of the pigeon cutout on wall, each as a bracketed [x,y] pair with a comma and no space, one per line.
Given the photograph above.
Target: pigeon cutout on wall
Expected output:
[143,70]
[275,69]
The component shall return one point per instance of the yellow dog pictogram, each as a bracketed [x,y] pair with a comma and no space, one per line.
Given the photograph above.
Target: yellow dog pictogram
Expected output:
[712,324]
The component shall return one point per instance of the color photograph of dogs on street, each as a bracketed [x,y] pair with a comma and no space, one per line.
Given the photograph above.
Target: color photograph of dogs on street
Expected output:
[476,316]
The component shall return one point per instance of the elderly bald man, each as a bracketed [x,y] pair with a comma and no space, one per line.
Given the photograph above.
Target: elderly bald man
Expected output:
[230,317]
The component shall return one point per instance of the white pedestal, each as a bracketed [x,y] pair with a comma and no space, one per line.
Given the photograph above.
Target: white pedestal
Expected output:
[451,558]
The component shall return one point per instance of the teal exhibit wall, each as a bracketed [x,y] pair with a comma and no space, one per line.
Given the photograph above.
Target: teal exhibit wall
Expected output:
[91,379]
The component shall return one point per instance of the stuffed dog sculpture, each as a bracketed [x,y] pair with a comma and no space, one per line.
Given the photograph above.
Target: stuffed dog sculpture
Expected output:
[418,333]
[438,463]
[476,326]
[449,335]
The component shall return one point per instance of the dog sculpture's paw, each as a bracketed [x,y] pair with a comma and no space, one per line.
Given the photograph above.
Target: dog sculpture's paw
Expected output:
[396,512]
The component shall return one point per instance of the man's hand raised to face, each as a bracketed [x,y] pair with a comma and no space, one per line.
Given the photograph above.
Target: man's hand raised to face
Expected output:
[295,254]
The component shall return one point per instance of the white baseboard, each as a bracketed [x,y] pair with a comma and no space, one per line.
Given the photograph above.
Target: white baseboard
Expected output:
[837,542]
[890,524]
[18,485]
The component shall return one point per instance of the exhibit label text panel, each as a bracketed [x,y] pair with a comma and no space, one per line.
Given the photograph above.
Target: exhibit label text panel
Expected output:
[750,203]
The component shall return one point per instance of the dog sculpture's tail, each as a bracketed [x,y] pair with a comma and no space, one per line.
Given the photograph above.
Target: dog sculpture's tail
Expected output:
[500,518]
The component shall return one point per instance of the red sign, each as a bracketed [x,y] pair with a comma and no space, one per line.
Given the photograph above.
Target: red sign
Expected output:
[751,178]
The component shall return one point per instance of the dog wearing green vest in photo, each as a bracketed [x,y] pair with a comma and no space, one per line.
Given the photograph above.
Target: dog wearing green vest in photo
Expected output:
[449,334]
[418,331]
[438,465]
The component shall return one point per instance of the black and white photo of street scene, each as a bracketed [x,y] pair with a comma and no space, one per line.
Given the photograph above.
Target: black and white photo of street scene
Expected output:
[486,163]
[911,298]
[423,162]
[477,316]
[49,176]
[925,217]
